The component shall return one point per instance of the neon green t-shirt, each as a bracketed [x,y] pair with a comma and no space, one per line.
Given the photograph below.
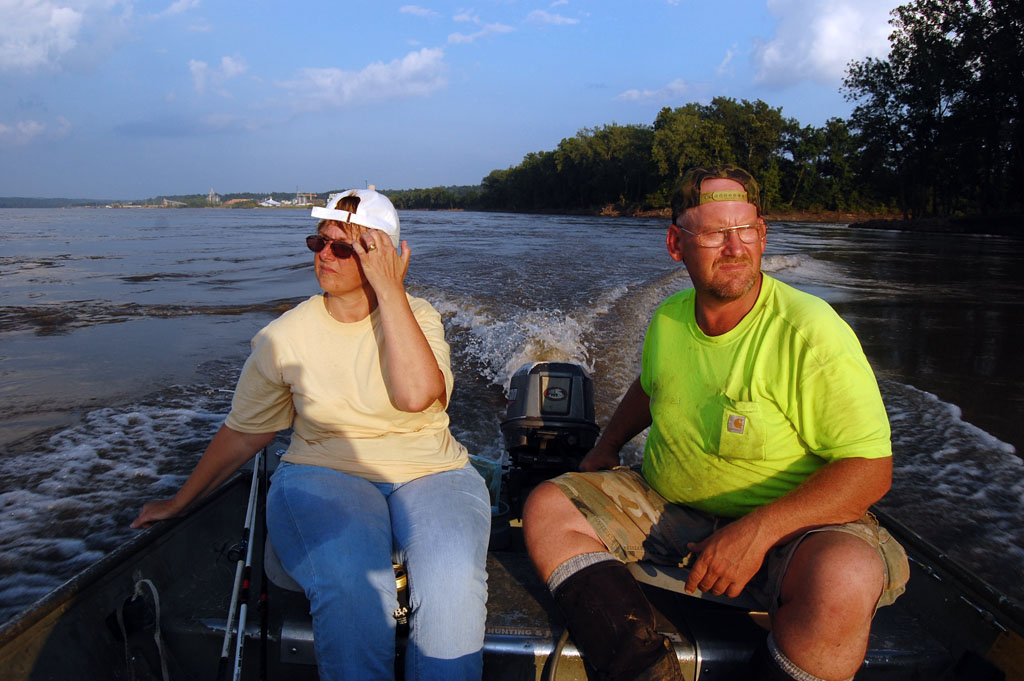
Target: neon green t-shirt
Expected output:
[742,418]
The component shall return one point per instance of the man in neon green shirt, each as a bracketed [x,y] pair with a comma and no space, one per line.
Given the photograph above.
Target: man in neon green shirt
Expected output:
[768,443]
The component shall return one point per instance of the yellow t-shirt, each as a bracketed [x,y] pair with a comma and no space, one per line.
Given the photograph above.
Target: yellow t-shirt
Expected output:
[328,380]
[742,418]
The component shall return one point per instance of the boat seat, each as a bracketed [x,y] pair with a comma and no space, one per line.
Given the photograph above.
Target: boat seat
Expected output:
[296,624]
[276,573]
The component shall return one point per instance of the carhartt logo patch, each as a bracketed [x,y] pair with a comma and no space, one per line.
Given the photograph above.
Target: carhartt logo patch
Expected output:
[737,423]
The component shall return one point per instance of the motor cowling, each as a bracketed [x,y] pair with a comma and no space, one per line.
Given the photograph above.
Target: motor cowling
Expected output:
[549,421]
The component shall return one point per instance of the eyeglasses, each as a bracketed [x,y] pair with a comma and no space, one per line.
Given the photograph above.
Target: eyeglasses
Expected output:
[340,249]
[748,234]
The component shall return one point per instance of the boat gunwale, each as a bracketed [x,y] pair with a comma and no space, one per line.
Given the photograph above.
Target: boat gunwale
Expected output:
[64,595]
[1006,613]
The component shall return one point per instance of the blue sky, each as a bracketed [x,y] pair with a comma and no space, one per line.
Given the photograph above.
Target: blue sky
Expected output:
[127,99]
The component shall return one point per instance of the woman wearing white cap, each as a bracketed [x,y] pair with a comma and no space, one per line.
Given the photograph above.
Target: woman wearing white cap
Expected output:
[361,372]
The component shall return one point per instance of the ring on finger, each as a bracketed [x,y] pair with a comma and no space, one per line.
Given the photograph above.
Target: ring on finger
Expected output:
[372,247]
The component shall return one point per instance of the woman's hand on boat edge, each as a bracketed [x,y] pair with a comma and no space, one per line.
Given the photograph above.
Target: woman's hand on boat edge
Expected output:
[153,511]
[226,453]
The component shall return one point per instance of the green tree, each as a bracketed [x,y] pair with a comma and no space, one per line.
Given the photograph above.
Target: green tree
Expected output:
[750,134]
[611,164]
[939,121]
[687,137]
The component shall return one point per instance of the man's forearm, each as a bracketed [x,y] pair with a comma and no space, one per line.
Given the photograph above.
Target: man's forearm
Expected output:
[840,492]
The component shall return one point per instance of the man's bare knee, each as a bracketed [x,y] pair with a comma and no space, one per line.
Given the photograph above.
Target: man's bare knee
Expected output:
[554,529]
[829,595]
[827,601]
[831,566]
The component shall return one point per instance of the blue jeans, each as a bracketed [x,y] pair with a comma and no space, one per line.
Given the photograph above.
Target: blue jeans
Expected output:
[337,534]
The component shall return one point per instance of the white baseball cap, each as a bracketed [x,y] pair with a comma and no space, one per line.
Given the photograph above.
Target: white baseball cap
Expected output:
[374,211]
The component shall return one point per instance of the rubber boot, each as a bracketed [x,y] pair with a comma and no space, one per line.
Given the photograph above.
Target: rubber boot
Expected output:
[612,625]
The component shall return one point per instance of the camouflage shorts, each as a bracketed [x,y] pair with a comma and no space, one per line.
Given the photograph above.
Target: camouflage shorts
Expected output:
[638,524]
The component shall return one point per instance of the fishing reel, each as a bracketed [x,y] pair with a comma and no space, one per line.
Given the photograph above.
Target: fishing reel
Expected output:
[549,425]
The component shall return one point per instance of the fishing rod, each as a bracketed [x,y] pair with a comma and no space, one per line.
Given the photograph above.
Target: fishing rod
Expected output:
[240,639]
[241,568]
[264,606]
[247,578]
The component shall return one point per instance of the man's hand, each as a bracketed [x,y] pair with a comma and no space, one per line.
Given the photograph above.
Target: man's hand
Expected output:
[598,459]
[727,560]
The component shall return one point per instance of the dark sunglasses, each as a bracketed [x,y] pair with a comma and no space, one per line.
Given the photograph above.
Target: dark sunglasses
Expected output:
[340,249]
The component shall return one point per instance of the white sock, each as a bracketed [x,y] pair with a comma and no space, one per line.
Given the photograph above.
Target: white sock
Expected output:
[787,665]
[574,565]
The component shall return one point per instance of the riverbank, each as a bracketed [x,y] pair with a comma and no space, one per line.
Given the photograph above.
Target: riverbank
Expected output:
[823,216]
[1001,225]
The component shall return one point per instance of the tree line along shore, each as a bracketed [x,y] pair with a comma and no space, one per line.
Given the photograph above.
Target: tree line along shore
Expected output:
[935,143]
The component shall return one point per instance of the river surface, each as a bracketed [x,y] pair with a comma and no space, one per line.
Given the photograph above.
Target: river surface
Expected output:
[122,333]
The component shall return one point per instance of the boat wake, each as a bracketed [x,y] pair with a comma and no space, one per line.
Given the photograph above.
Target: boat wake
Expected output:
[957,486]
[70,502]
[65,317]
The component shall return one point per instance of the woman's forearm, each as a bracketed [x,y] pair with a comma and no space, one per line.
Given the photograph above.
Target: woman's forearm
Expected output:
[226,453]
[414,378]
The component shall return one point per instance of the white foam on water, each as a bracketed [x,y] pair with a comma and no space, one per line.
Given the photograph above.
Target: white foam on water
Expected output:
[773,264]
[822,278]
[957,486]
[501,343]
[605,302]
[70,501]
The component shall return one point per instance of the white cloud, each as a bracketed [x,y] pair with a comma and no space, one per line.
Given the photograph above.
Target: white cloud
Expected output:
[200,74]
[418,11]
[203,77]
[231,67]
[24,133]
[36,35]
[417,74]
[677,88]
[540,16]
[558,3]
[489,29]
[723,66]
[20,133]
[41,35]
[816,39]
[179,7]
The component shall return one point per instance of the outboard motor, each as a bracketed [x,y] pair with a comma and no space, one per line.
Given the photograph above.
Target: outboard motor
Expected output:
[549,424]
